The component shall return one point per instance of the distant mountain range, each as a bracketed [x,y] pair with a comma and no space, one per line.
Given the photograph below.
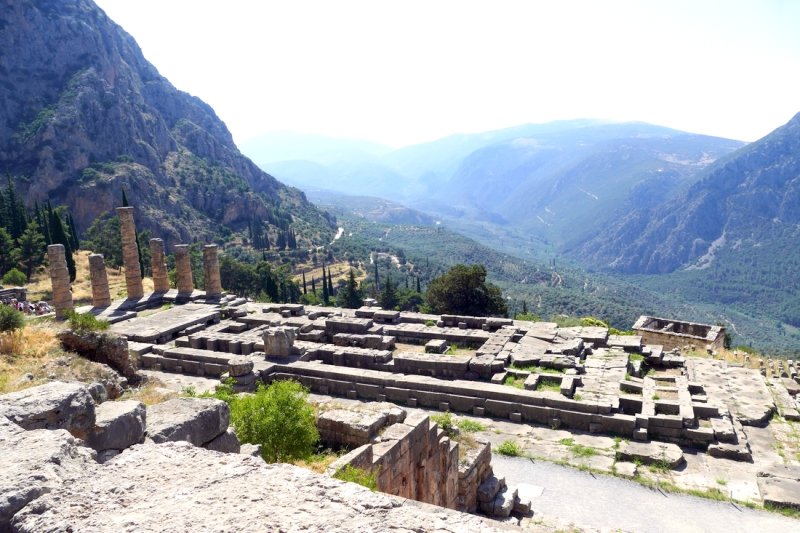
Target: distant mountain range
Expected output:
[83,115]
[557,181]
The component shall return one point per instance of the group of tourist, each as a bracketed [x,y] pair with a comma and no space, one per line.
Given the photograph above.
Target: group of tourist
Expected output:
[29,308]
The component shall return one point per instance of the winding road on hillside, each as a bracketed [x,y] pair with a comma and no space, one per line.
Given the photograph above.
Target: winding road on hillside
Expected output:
[598,501]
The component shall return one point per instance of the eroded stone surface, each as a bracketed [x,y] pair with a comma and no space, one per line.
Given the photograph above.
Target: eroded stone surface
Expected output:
[652,453]
[160,488]
[195,420]
[36,462]
[54,405]
[118,425]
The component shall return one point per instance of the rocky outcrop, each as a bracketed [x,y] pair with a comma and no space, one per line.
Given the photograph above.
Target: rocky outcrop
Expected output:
[101,347]
[54,405]
[226,492]
[85,115]
[36,462]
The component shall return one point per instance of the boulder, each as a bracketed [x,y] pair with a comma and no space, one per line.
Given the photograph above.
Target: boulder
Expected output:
[228,442]
[118,425]
[253,450]
[36,462]
[178,487]
[54,405]
[196,420]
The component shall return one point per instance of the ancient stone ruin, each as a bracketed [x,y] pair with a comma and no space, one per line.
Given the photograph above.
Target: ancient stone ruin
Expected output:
[673,334]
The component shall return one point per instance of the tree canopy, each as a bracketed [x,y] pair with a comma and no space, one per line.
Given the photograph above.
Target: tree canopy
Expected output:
[463,291]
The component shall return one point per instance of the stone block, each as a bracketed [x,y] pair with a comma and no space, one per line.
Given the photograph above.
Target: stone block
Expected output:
[54,405]
[118,425]
[196,420]
[227,442]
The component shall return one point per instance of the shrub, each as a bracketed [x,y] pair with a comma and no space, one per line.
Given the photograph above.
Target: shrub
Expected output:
[279,418]
[510,448]
[357,475]
[85,322]
[445,423]
[14,278]
[10,319]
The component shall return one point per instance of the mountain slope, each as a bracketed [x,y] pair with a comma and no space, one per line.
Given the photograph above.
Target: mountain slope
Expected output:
[84,115]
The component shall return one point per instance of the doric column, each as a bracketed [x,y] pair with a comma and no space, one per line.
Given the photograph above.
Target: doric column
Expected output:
[130,255]
[183,269]
[211,270]
[159,266]
[59,278]
[101,297]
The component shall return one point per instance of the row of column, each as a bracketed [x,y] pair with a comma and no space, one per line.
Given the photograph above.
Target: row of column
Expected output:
[101,297]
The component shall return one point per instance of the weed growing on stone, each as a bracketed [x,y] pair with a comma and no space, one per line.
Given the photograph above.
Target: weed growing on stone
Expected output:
[510,448]
[445,423]
[544,385]
[356,475]
[85,322]
[722,481]
[470,426]
[513,381]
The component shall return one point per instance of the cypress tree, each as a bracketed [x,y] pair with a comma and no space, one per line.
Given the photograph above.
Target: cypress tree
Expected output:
[377,279]
[124,198]
[325,293]
[73,231]
[330,284]
[313,285]
[419,289]
[304,283]
[60,237]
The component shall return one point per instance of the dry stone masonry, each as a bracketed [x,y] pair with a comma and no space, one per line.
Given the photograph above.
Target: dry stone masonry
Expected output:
[59,278]
[159,266]
[130,253]
[101,297]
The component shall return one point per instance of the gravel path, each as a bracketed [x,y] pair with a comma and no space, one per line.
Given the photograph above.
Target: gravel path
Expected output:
[598,501]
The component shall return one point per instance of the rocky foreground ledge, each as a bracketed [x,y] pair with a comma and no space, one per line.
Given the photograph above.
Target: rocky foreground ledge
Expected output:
[51,481]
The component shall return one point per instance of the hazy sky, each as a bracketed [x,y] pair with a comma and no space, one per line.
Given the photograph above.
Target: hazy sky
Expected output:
[408,71]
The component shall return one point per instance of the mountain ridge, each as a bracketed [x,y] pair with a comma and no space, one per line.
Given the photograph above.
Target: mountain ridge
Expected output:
[89,116]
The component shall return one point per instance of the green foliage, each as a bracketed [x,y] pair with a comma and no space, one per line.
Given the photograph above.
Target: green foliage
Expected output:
[279,418]
[463,290]
[513,381]
[445,423]
[30,253]
[10,319]
[430,323]
[546,385]
[635,357]
[357,475]
[510,448]
[470,426]
[85,322]
[388,297]
[350,295]
[527,316]
[14,277]
[103,237]
[260,281]
[578,450]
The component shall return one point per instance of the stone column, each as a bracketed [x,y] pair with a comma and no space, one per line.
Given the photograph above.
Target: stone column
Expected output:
[101,297]
[183,269]
[130,255]
[211,270]
[159,266]
[59,277]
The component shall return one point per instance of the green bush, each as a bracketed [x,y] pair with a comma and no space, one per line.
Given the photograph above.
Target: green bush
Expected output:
[278,417]
[14,277]
[85,322]
[357,475]
[510,448]
[10,319]
[445,423]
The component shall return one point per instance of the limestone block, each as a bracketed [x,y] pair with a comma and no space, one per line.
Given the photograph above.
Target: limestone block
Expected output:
[227,442]
[118,425]
[489,488]
[278,341]
[36,462]
[239,366]
[54,405]
[220,485]
[253,450]
[196,420]
[652,452]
